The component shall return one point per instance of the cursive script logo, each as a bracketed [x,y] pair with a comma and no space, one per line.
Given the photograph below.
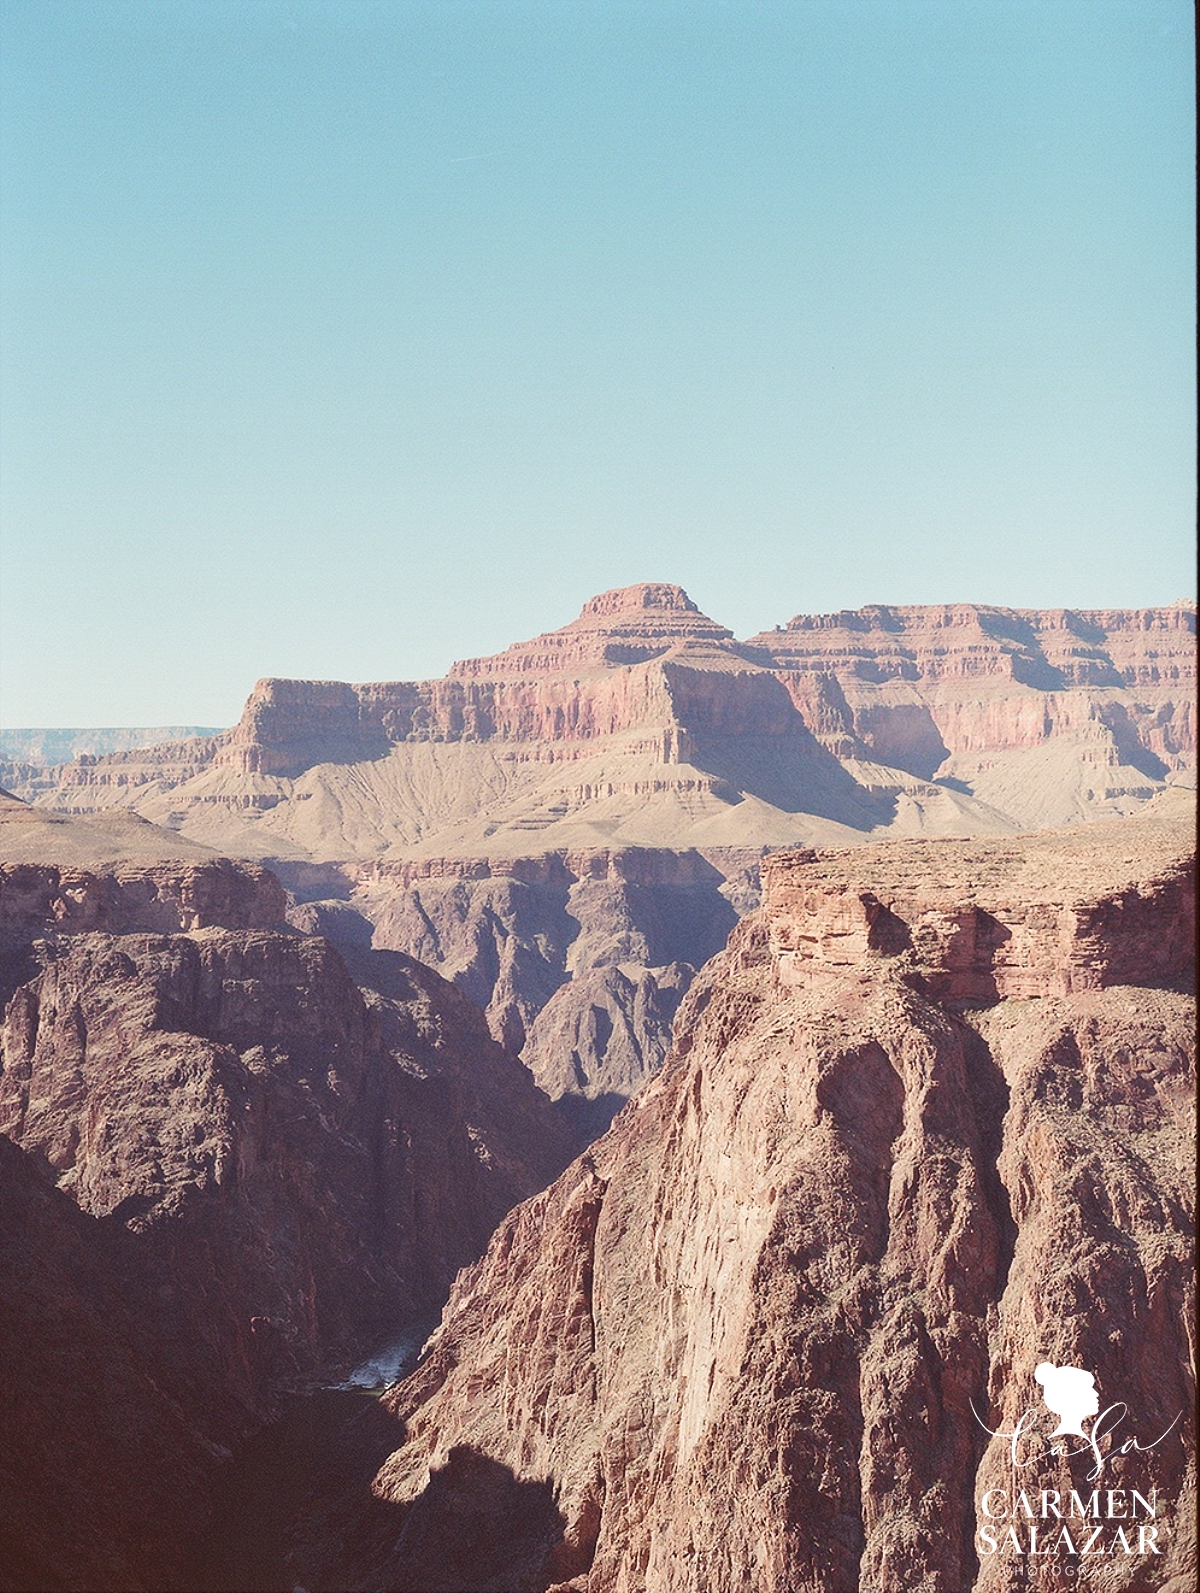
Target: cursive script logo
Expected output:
[1070,1394]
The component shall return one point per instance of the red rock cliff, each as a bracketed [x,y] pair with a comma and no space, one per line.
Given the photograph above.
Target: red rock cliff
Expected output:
[159,898]
[758,1335]
[969,678]
[533,692]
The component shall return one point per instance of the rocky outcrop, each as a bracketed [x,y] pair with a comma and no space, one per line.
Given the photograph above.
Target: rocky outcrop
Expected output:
[158,898]
[47,901]
[641,658]
[271,1162]
[579,959]
[602,1035]
[644,722]
[777,1328]
[1041,932]
[628,626]
[235,1097]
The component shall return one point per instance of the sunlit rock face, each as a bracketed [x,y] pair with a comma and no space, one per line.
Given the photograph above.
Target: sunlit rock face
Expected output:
[761,1333]
[644,722]
[579,959]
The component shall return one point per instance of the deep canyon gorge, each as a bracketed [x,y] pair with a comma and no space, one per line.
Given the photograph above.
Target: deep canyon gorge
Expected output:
[764,1054]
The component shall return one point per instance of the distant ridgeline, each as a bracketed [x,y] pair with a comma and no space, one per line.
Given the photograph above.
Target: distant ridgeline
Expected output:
[643,722]
[46,747]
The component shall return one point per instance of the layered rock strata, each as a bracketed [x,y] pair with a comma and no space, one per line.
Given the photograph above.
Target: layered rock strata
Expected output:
[963,690]
[42,747]
[114,872]
[645,722]
[578,958]
[763,1332]
[163,897]
[644,726]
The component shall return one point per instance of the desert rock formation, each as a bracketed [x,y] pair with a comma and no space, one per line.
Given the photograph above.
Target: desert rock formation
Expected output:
[643,722]
[643,725]
[925,1127]
[578,958]
[113,1406]
[238,1092]
[273,1160]
[1044,715]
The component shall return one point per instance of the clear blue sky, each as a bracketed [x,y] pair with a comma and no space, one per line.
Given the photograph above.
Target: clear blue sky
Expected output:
[343,338]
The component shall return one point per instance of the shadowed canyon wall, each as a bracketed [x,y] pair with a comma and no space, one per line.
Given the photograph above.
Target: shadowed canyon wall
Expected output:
[235,1168]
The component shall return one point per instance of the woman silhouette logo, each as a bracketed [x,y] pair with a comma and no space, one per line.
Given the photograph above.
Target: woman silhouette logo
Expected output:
[1068,1393]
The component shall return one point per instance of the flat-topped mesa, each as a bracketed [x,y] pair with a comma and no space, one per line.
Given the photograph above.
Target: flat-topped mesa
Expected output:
[1041,915]
[935,719]
[628,625]
[921,683]
[288,725]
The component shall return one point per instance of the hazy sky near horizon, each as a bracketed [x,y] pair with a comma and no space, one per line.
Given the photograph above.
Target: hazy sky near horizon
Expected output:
[344,338]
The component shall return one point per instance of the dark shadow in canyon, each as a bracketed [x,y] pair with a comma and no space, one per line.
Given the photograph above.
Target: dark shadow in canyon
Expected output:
[325,1445]
[589,1119]
[295,1508]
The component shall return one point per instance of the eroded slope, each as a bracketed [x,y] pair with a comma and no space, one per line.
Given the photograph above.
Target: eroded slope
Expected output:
[644,723]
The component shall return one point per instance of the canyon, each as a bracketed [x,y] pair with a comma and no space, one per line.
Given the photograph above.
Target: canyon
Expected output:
[233,1165]
[774,1051]
[579,819]
[925,1126]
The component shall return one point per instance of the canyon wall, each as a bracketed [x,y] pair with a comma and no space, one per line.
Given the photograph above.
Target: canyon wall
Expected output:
[277,1162]
[644,728]
[578,958]
[115,1413]
[161,897]
[237,1097]
[951,688]
[924,1132]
